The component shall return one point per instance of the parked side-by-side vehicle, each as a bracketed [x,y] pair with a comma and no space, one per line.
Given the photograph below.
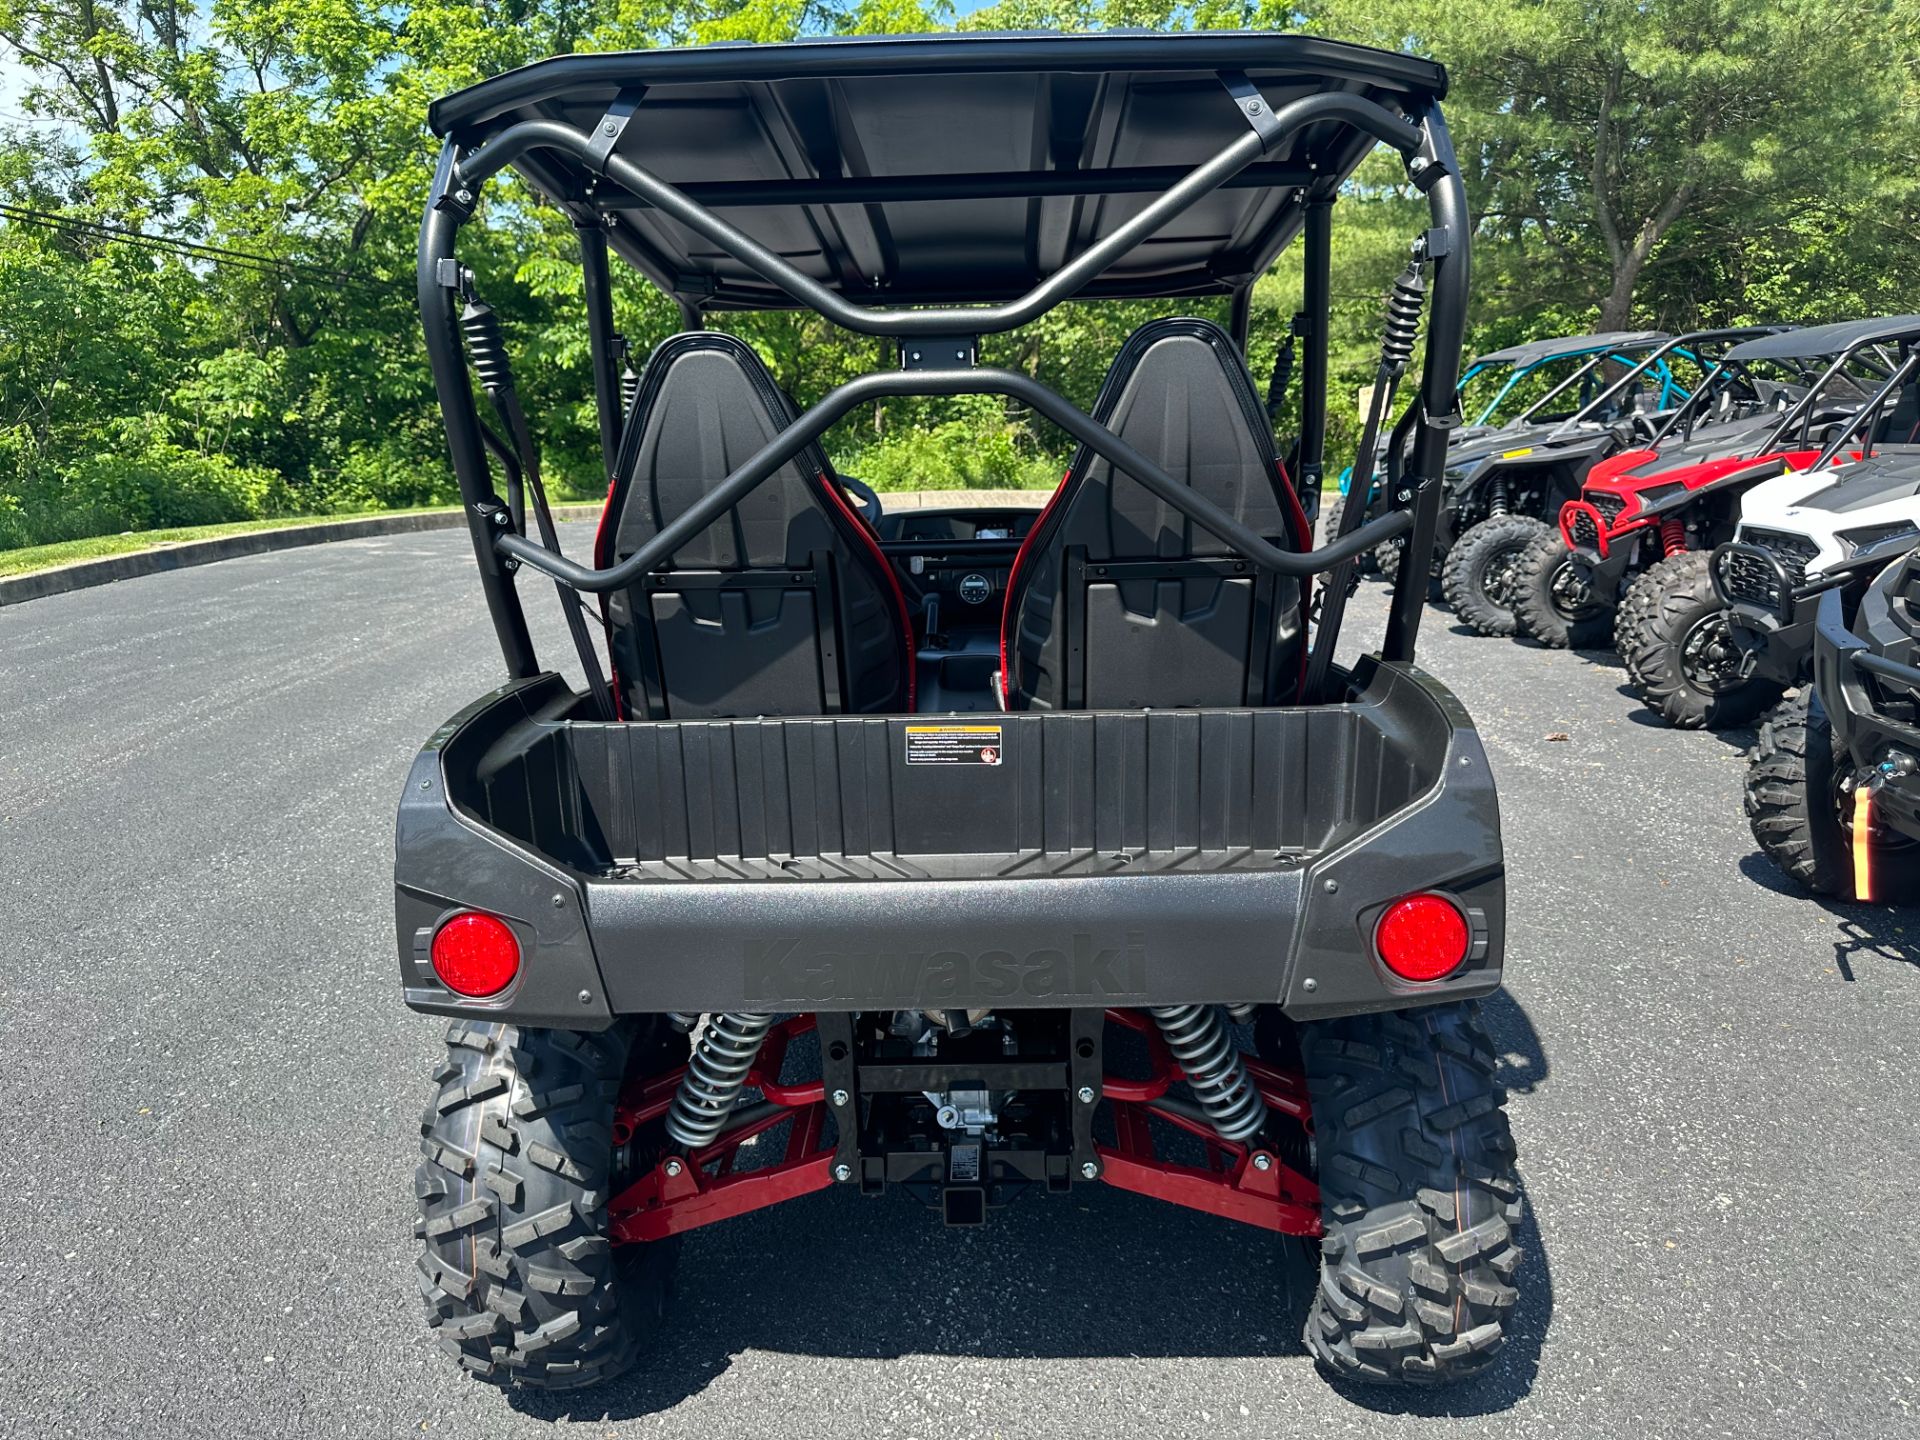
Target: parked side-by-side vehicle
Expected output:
[1634,554]
[966,855]
[1833,785]
[1503,488]
[1807,531]
[1530,387]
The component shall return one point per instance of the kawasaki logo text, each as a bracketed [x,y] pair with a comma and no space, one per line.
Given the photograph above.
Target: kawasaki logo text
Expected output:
[781,970]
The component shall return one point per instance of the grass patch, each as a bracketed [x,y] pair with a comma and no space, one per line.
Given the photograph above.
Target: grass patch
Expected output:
[99,547]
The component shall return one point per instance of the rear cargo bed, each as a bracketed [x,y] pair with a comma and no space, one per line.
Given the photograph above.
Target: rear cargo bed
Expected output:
[876,862]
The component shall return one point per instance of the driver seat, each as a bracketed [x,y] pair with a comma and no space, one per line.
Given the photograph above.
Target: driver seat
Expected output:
[785,604]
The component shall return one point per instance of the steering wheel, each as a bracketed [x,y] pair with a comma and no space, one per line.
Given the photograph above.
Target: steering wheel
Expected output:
[864,493]
[1634,426]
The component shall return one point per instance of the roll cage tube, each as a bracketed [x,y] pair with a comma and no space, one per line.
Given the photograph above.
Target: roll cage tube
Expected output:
[1868,415]
[1682,421]
[983,381]
[1446,248]
[1595,358]
[438,286]
[1431,165]
[1520,372]
[1316,241]
[477,167]
[1800,413]
[1623,356]
[1687,345]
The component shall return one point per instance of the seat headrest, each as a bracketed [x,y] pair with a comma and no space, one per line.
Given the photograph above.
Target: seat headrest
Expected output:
[1180,393]
[706,403]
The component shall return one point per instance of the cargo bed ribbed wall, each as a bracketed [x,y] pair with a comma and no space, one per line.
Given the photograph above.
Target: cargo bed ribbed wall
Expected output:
[1071,793]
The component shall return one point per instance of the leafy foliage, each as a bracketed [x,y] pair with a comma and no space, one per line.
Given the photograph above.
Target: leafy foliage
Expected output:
[1675,161]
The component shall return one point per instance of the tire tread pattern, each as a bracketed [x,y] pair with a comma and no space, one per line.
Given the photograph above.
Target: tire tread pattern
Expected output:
[1534,612]
[1776,799]
[520,1283]
[1673,595]
[1419,1193]
[1463,578]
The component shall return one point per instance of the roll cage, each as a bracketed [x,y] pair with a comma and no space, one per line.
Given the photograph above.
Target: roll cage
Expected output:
[1822,355]
[1267,127]
[1526,359]
[1697,346]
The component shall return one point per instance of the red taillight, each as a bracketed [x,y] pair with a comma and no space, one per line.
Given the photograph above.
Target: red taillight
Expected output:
[475,955]
[1422,937]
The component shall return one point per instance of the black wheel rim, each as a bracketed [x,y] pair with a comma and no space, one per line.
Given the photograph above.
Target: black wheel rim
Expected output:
[1570,593]
[1709,660]
[1502,575]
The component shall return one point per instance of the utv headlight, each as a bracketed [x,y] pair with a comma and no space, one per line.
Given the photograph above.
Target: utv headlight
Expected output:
[1867,536]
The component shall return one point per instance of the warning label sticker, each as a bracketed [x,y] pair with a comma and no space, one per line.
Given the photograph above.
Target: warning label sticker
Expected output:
[953,745]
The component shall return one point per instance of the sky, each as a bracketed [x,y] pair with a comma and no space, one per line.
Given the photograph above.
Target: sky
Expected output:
[13,79]
[13,75]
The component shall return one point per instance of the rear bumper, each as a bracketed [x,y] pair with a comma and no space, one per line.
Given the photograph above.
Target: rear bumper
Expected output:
[1117,858]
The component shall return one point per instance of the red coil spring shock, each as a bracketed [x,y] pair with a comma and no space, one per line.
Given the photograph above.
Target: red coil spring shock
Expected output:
[1673,537]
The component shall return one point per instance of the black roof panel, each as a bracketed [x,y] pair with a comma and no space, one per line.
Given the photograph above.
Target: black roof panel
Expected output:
[1019,151]
[1816,341]
[1531,352]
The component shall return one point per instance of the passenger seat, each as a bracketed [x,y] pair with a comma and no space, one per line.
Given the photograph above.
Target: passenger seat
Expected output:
[785,604]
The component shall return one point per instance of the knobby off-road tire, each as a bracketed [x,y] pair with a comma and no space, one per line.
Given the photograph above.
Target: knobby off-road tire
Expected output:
[1419,1196]
[520,1281]
[1630,617]
[1793,755]
[1476,579]
[1541,593]
[1796,809]
[1368,562]
[1676,615]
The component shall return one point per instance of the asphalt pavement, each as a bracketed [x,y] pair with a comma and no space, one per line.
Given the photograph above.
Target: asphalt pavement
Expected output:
[211,1092]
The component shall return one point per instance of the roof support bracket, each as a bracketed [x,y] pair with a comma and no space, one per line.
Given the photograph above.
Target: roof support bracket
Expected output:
[453,194]
[940,352]
[612,125]
[1433,157]
[1253,105]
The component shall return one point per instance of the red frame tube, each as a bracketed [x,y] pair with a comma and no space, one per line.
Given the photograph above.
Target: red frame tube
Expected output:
[683,1193]
[1255,1187]
[1237,1182]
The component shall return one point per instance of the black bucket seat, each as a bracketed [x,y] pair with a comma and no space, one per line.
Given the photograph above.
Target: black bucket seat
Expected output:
[785,604]
[1117,599]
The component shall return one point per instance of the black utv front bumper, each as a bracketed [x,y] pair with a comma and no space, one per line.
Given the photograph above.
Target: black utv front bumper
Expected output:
[1868,679]
[1771,624]
[1603,573]
[956,862]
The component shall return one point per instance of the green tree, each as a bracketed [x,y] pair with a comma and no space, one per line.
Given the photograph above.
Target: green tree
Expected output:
[1604,140]
[1672,160]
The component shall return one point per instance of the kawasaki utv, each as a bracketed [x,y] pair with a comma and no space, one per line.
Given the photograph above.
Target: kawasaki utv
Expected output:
[987,856]
[1833,786]
[1770,405]
[1501,489]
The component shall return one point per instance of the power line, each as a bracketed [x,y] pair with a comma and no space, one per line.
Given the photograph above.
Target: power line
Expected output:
[189,249]
[149,243]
